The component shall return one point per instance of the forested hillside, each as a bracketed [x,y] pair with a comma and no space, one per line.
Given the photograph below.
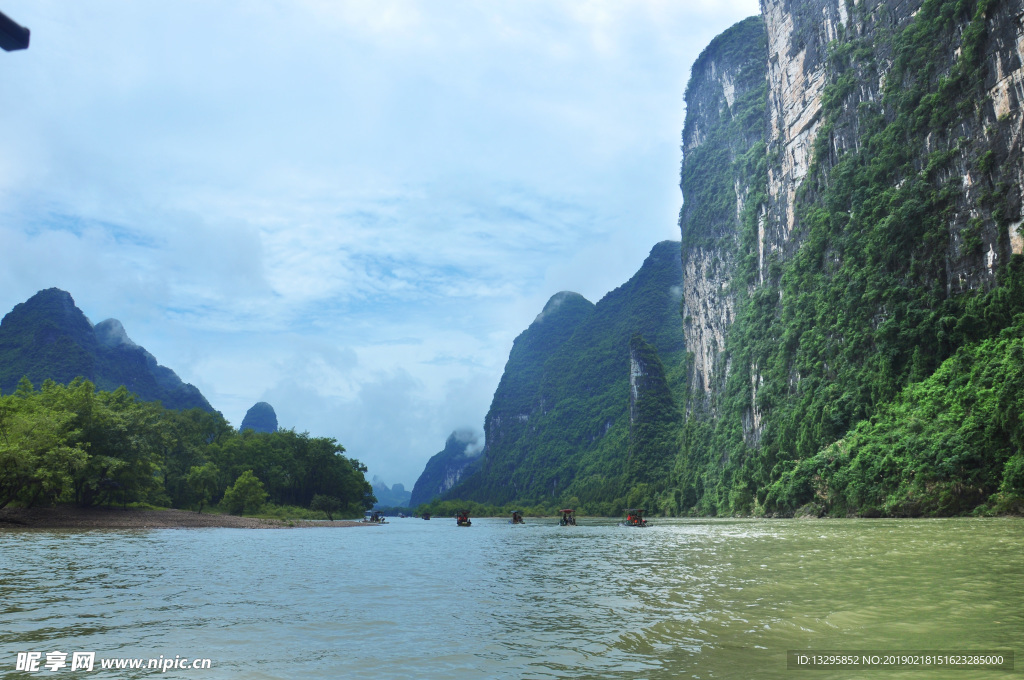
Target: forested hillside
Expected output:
[559,424]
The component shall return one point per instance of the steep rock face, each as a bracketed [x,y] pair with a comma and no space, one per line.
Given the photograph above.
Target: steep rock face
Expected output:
[559,421]
[799,36]
[724,122]
[261,417]
[446,467]
[880,233]
[48,337]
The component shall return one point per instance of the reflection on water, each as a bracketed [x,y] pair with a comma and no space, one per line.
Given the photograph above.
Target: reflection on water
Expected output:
[415,599]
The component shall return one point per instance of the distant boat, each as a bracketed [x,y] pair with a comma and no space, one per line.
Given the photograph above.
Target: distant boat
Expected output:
[374,517]
[425,515]
[462,519]
[568,518]
[517,518]
[635,518]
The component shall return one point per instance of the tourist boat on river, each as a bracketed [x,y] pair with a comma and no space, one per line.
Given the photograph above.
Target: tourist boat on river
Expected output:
[375,517]
[635,518]
[462,519]
[517,518]
[568,518]
[425,515]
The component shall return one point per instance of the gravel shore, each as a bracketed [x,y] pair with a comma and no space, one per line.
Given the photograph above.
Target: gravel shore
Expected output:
[70,517]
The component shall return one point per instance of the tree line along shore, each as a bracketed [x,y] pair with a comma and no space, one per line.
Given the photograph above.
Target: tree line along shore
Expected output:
[74,517]
[66,451]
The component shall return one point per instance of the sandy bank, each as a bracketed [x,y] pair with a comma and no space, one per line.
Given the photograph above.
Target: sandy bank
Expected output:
[69,517]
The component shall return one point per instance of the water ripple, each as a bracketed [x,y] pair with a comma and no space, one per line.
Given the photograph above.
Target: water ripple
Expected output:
[414,599]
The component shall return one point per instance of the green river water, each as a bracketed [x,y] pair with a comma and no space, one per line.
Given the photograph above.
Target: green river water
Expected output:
[426,599]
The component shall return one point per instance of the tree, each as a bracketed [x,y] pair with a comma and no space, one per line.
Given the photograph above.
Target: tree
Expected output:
[202,481]
[37,456]
[247,495]
[326,504]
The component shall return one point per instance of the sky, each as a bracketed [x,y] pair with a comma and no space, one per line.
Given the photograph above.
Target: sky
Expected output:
[348,209]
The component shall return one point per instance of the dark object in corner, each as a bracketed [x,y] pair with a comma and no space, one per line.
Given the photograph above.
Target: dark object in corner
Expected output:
[13,36]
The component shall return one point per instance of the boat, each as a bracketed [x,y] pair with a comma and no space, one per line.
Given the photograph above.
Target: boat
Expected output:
[374,517]
[568,518]
[635,518]
[426,515]
[517,518]
[462,519]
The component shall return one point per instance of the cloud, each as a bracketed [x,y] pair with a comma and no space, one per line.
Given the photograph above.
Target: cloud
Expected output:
[473,440]
[347,209]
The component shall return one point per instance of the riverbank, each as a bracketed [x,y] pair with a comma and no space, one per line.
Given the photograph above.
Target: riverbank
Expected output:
[71,517]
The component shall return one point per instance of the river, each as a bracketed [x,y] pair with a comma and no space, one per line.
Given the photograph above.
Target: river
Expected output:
[426,599]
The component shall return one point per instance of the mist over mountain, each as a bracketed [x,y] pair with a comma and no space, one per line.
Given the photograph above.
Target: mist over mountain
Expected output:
[446,467]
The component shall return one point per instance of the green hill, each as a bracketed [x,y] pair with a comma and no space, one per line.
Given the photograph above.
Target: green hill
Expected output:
[48,337]
[558,427]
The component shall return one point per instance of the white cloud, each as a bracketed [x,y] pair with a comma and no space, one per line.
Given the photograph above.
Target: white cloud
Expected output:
[348,209]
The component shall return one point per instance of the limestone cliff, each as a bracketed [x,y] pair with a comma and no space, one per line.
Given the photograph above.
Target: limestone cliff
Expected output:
[653,418]
[843,236]
[851,245]
[724,123]
[801,34]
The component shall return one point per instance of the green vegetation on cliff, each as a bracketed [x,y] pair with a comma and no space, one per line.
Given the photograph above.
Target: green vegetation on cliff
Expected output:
[558,427]
[944,446]
[884,384]
[653,427]
[731,151]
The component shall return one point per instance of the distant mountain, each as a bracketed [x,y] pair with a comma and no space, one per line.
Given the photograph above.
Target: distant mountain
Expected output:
[48,337]
[559,428]
[390,497]
[447,467]
[260,418]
